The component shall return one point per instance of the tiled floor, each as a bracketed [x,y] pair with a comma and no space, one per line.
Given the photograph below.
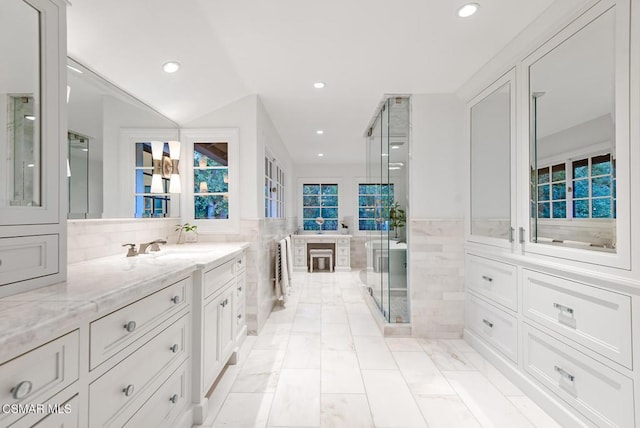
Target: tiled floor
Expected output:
[322,362]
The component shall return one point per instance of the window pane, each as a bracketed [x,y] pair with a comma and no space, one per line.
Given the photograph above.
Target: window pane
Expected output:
[601,208]
[311,189]
[543,210]
[559,209]
[311,201]
[581,189]
[266,208]
[366,201]
[367,225]
[543,175]
[329,201]
[559,191]
[143,155]
[211,206]
[210,154]
[143,181]
[310,225]
[329,189]
[210,181]
[366,213]
[581,208]
[543,193]
[310,213]
[601,186]
[329,213]
[558,172]
[330,225]
[601,165]
[580,168]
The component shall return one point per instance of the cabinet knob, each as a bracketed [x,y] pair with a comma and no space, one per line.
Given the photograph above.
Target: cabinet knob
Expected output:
[130,326]
[175,300]
[174,398]
[239,316]
[21,390]
[174,348]
[128,390]
[488,323]
[239,289]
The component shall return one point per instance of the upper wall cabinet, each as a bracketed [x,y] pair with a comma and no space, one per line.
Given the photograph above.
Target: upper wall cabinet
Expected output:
[32,126]
[577,128]
[491,119]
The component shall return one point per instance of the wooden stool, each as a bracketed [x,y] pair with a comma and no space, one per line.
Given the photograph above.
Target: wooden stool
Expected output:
[320,254]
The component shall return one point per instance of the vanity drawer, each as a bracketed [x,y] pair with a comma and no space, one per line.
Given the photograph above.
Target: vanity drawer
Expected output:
[112,333]
[343,241]
[600,393]
[596,318]
[118,392]
[166,404]
[28,257]
[298,251]
[494,280]
[241,288]
[66,416]
[494,325]
[342,261]
[342,251]
[216,278]
[299,242]
[39,374]
[241,263]
[300,261]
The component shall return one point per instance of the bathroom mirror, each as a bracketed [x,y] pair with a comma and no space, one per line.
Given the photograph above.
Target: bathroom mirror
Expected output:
[490,130]
[572,134]
[106,176]
[20,112]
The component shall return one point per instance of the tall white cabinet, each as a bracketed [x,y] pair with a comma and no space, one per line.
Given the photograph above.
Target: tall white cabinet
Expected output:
[33,145]
[552,266]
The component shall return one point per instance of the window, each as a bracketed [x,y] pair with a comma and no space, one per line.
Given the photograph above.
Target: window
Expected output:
[147,204]
[274,189]
[211,180]
[374,201]
[582,188]
[320,200]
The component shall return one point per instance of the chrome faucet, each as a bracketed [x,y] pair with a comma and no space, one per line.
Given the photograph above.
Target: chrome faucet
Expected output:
[153,244]
[132,250]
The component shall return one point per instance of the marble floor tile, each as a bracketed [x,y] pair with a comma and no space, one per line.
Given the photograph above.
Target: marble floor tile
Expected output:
[272,341]
[446,411]
[391,402]
[345,410]
[242,410]
[373,353]
[504,385]
[352,295]
[533,412]
[260,372]
[446,356]
[360,308]
[486,403]
[403,344]
[335,314]
[303,352]
[340,373]
[364,325]
[421,374]
[297,399]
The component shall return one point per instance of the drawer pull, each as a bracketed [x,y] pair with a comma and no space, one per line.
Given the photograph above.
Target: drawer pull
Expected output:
[128,391]
[239,289]
[488,323]
[130,326]
[174,348]
[565,374]
[175,300]
[174,398]
[487,278]
[240,261]
[224,303]
[563,308]
[239,316]
[21,390]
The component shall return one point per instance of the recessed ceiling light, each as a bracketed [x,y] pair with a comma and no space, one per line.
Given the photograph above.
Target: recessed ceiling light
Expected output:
[396,164]
[30,117]
[384,154]
[319,132]
[85,150]
[395,147]
[394,167]
[171,66]
[72,68]
[320,154]
[30,165]
[467,10]
[319,85]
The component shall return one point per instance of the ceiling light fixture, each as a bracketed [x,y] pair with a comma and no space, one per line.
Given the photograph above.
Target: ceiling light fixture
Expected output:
[320,154]
[384,155]
[319,85]
[319,132]
[395,146]
[171,66]
[393,168]
[468,9]
[30,117]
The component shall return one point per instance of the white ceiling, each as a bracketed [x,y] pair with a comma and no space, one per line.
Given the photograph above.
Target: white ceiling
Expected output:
[362,49]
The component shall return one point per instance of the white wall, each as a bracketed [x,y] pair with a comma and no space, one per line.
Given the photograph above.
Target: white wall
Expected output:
[241,114]
[577,139]
[437,157]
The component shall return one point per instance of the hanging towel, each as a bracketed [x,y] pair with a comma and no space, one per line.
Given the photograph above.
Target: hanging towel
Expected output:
[282,285]
[289,259]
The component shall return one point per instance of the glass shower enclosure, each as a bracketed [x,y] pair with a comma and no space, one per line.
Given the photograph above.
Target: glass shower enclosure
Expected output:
[383,208]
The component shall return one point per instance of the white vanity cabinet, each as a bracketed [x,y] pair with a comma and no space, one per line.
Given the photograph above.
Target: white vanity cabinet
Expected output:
[33,146]
[552,281]
[220,325]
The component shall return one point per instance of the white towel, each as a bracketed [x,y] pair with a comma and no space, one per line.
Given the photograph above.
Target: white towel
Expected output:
[289,258]
[282,286]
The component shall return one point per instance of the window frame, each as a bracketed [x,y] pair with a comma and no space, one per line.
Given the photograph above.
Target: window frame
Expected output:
[359,183]
[301,182]
[274,177]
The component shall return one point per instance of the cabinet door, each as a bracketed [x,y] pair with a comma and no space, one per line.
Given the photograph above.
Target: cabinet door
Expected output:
[31,113]
[227,324]
[210,353]
[491,133]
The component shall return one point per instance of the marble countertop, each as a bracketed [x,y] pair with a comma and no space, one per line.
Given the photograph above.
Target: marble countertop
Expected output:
[97,287]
